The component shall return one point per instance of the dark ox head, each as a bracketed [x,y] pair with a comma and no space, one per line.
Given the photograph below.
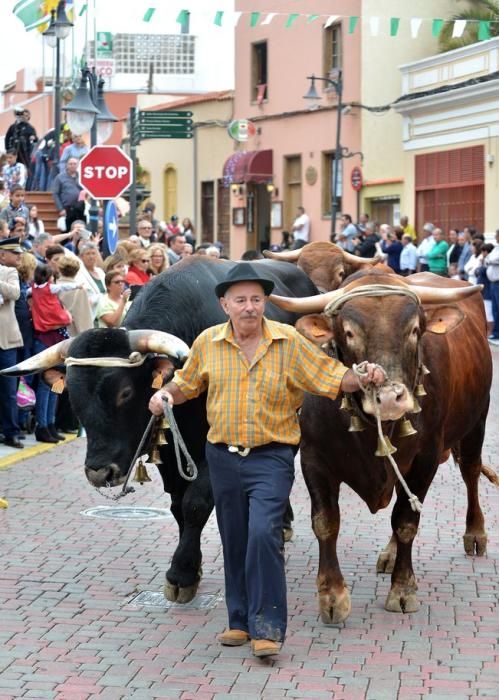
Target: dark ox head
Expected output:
[383,329]
[110,401]
[325,263]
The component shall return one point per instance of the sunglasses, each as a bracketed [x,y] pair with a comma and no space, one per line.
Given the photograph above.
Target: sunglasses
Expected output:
[144,260]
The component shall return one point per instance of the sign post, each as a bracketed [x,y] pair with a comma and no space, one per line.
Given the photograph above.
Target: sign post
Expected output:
[356,180]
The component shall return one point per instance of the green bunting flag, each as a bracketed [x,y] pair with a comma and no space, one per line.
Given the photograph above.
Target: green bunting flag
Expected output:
[218,18]
[483,30]
[148,15]
[312,18]
[254,17]
[183,16]
[83,10]
[352,23]
[394,25]
[291,20]
[436,27]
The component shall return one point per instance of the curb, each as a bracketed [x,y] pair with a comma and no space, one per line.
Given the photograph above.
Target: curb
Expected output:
[27,452]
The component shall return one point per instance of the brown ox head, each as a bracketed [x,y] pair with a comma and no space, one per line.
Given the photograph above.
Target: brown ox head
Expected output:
[380,318]
[325,263]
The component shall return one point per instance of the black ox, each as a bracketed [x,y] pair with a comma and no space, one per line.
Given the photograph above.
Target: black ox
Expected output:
[111,402]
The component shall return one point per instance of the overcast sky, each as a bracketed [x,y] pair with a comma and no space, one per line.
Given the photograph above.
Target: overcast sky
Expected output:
[22,49]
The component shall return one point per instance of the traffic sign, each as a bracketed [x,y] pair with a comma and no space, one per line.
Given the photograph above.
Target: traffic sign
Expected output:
[110,228]
[166,135]
[159,116]
[356,179]
[105,172]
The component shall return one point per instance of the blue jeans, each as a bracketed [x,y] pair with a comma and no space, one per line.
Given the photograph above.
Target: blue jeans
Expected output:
[251,494]
[46,400]
[494,292]
[8,389]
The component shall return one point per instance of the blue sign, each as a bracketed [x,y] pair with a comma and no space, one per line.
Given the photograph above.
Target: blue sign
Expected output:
[110,228]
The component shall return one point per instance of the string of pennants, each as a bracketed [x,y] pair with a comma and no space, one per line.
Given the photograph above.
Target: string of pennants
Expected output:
[377,25]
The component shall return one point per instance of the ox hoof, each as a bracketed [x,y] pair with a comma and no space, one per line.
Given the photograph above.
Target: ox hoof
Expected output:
[170,591]
[475,544]
[386,561]
[335,608]
[287,533]
[402,600]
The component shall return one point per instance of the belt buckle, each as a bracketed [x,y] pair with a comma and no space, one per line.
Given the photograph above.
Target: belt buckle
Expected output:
[244,452]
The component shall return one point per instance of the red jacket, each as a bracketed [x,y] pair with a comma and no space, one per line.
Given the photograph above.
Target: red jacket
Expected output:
[47,311]
[135,276]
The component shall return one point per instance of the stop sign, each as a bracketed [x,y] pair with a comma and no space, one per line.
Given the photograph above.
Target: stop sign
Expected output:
[105,172]
[356,179]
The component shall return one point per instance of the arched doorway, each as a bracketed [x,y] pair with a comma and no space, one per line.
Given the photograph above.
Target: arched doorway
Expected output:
[170,192]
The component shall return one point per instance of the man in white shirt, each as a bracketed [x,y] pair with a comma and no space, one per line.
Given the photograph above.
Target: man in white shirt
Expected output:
[427,243]
[301,228]
[408,256]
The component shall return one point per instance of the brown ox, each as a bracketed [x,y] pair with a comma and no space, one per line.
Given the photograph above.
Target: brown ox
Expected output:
[437,330]
[325,263]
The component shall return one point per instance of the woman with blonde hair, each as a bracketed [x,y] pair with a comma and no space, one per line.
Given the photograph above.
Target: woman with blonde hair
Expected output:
[158,259]
[137,274]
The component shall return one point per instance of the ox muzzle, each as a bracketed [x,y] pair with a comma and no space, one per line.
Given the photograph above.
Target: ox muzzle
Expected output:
[109,475]
[390,401]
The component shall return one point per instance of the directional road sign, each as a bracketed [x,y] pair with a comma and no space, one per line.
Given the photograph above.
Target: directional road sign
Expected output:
[110,228]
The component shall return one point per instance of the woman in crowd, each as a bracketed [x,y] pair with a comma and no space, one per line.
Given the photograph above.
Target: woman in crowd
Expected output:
[112,307]
[158,259]
[26,271]
[481,278]
[54,255]
[117,263]
[74,300]
[90,275]
[475,261]
[50,321]
[188,231]
[137,274]
[35,224]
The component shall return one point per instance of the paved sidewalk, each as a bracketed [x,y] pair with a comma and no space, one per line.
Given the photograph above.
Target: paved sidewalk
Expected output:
[69,632]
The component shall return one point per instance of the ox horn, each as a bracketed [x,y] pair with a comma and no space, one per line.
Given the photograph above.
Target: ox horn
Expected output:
[55,355]
[356,260]
[441,294]
[285,255]
[160,342]
[306,305]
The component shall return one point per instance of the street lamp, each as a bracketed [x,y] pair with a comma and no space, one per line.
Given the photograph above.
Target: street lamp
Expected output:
[58,30]
[88,111]
[314,96]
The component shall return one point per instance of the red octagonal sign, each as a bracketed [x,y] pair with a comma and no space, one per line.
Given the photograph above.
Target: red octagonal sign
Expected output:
[105,172]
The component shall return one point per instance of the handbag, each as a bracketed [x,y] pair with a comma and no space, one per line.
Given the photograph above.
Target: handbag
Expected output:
[25,396]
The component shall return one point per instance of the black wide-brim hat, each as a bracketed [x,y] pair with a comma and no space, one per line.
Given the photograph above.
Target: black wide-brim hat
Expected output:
[243,272]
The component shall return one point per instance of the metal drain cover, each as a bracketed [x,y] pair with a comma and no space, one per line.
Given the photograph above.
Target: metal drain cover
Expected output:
[127,513]
[151,599]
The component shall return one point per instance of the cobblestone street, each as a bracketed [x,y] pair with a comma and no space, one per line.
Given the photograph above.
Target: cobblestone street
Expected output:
[68,630]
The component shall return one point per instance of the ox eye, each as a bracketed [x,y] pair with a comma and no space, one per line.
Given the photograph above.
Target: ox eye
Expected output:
[124,395]
[349,335]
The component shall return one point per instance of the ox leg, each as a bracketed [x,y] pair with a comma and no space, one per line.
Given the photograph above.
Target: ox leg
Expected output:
[191,511]
[386,559]
[469,458]
[334,598]
[402,596]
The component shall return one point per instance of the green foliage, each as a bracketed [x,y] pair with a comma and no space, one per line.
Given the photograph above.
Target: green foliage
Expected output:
[477,10]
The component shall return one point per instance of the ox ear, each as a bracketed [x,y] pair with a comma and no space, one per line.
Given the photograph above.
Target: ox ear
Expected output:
[163,368]
[443,319]
[316,328]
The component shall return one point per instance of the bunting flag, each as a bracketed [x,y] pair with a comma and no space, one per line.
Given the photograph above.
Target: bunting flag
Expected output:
[36,14]
[84,8]
[291,20]
[394,25]
[436,27]
[352,23]
[268,19]
[218,18]
[374,25]
[416,23]
[458,29]
[330,20]
[483,30]
[149,14]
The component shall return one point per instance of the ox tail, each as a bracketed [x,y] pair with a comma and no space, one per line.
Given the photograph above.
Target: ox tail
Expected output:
[490,474]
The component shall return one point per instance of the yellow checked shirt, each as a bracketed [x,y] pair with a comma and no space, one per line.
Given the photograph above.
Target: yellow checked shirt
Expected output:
[254,404]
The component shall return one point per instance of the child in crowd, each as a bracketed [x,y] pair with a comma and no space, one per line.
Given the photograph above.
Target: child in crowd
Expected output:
[16,210]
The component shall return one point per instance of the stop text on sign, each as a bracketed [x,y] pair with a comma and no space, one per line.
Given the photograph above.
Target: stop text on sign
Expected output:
[109,172]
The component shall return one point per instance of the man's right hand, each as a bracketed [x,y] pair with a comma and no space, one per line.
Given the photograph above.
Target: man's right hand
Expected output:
[156,405]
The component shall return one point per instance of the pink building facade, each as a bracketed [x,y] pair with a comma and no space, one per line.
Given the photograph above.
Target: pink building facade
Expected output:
[288,162]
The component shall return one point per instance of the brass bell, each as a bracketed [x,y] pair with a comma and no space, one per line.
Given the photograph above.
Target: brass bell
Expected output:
[406,428]
[356,425]
[385,448]
[417,407]
[420,390]
[346,404]
[141,474]
[163,423]
[160,438]
[155,457]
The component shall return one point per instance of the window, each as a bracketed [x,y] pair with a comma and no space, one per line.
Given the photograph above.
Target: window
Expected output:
[207,210]
[328,162]
[259,84]
[333,49]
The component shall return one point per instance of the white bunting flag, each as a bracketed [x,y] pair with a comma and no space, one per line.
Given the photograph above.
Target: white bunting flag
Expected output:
[459,27]
[330,20]
[268,19]
[374,25]
[233,17]
[416,23]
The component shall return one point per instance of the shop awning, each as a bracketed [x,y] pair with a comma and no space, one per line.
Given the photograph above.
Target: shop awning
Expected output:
[249,166]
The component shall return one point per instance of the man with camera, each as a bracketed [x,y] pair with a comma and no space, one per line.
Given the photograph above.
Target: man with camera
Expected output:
[21,138]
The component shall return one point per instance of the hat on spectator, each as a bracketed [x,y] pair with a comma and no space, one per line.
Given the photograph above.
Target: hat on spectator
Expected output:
[429,227]
[11,244]
[243,272]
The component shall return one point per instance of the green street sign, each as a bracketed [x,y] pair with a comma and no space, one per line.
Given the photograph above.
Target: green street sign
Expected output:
[166,135]
[184,123]
[104,41]
[160,116]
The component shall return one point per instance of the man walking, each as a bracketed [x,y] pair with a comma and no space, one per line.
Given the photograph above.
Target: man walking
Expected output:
[301,228]
[255,372]
[66,190]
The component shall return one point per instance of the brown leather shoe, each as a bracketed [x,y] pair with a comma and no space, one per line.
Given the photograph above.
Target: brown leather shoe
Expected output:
[265,647]
[234,638]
